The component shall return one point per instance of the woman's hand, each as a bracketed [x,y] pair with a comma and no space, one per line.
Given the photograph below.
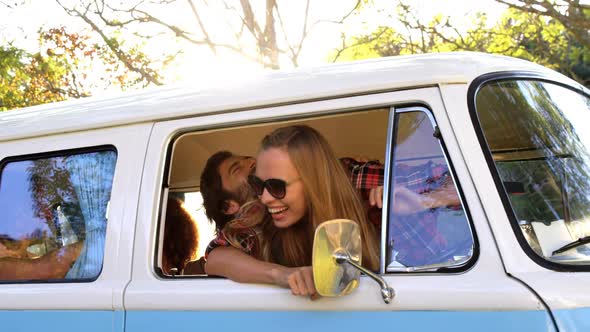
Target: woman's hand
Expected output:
[301,281]
[298,279]
[376,197]
[405,200]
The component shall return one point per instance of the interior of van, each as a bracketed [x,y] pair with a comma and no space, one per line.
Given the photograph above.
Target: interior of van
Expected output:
[359,134]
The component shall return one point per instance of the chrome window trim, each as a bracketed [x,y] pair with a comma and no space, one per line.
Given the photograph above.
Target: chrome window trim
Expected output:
[387,172]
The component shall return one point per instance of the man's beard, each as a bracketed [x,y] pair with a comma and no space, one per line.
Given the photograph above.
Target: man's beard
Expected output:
[244,194]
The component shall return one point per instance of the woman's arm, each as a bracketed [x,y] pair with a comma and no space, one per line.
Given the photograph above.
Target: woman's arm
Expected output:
[238,266]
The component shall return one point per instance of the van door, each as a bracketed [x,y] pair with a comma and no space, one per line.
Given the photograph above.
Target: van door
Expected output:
[458,282]
[534,135]
[68,205]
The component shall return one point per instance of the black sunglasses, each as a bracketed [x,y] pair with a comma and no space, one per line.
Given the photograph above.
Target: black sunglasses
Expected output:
[277,188]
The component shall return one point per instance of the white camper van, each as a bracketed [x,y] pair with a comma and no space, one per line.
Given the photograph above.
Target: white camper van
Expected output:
[85,186]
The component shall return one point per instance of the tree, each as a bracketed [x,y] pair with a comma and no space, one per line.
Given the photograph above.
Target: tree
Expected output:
[28,79]
[112,52]
[521,34]
[573,16]
[82,57]
[259,31]
[67,65]
[49,187]
[11,4]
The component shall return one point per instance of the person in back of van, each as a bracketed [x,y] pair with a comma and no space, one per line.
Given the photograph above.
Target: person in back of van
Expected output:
[181,240]
[295,196]
[224,186]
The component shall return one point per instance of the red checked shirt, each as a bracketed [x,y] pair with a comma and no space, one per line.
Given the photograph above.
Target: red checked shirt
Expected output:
[246,237]
[415,238]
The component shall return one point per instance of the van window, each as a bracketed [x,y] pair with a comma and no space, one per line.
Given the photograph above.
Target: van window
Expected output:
[183,202]
[54,215]
[428,228]
[538,134]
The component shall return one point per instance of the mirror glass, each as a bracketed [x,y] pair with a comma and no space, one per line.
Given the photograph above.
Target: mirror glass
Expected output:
[338,236]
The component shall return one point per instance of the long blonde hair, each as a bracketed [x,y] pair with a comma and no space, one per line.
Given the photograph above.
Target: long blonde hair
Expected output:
[329,195]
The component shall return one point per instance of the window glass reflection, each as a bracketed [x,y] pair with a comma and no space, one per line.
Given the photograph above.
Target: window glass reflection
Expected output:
[53,223]
[539,136]
[427,224]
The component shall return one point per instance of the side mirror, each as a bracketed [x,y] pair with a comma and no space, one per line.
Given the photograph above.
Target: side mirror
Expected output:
[336,260]
[330,277]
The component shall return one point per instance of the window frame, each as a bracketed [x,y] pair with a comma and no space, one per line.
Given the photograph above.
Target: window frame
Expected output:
[472,92]
[53,154]
[388,185]
[393,110]
[165,190]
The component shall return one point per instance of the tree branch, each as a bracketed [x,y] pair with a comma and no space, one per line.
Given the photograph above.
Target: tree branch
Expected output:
[113,47]
[575,21]
[202,27]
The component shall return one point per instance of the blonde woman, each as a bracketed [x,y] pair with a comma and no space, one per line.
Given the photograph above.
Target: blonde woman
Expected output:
[300,184]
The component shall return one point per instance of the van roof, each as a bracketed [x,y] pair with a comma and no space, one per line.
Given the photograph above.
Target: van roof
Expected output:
[336,80]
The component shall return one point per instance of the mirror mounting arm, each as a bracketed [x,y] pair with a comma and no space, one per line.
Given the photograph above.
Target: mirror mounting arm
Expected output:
[386,292]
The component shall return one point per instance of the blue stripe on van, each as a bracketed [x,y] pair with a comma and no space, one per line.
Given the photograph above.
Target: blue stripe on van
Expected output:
[573,319]
[60,320]
[325,321]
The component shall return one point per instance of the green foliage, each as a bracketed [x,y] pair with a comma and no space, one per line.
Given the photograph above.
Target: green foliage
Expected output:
[53,74]
[28,79]
[68,65]
[518,33]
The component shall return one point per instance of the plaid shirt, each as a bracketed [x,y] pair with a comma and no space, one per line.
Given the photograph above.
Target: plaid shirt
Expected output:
[246,237]
[416,239]
[364,176]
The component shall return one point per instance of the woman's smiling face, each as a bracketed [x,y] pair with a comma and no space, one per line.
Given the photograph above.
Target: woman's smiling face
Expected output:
[274,163]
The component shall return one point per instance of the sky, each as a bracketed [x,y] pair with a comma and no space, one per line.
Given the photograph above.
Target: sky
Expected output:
[199,65]
[15,202]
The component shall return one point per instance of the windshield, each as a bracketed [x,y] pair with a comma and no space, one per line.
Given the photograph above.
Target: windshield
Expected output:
[539,136]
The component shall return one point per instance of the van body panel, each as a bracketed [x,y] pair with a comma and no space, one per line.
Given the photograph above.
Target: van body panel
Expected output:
[340,321]
[96,305]
[98,295]
[344,79]
[413,292]
[567,294]
[573,319]
[560,290]
[60,320]
[479,292]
